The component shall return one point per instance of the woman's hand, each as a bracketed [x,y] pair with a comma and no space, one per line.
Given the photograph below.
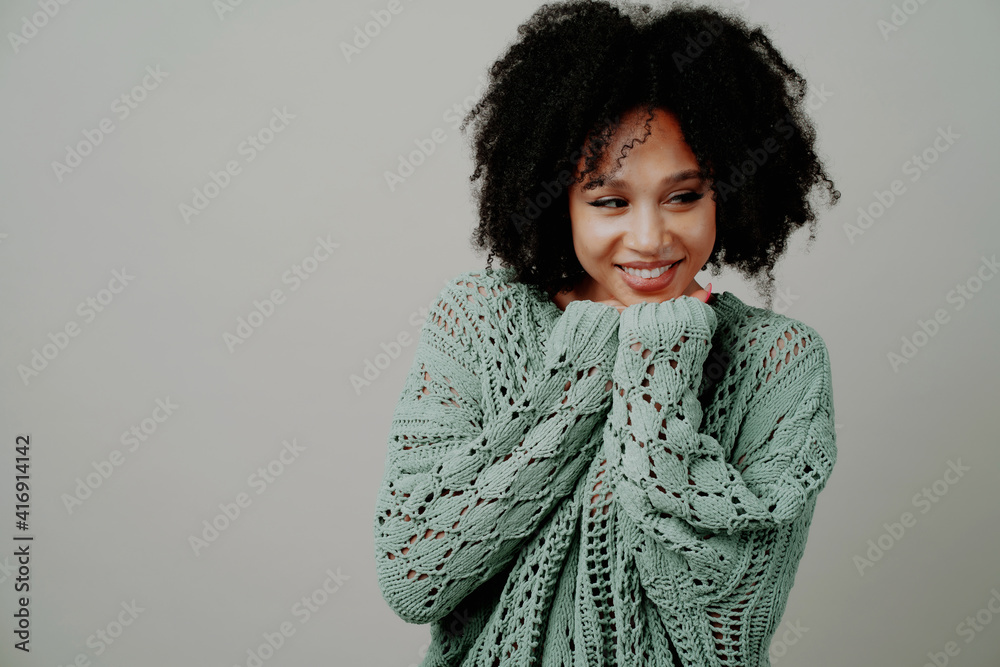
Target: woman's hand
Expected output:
[698,292]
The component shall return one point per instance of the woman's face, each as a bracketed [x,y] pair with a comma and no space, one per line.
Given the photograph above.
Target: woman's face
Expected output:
[656,210]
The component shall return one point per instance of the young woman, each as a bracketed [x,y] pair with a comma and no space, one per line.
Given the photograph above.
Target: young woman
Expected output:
[594,460]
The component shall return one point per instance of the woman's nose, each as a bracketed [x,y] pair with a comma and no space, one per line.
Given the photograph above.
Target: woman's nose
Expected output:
[647,231]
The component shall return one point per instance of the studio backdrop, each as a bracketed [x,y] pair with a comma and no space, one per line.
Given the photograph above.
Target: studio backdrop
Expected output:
[222,223]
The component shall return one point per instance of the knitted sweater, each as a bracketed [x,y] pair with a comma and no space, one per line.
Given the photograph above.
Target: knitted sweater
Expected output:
[589,487]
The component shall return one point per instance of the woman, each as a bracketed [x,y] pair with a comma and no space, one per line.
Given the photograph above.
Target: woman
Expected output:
[594,461]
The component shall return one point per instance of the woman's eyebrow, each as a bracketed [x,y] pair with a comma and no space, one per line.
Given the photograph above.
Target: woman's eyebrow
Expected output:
[677,177]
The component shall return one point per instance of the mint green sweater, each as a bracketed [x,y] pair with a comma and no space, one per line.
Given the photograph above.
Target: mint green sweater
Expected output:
[589,487]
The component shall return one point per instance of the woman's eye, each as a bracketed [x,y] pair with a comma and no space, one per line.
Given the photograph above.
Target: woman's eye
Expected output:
[618,202]
[604,202]
[687,197]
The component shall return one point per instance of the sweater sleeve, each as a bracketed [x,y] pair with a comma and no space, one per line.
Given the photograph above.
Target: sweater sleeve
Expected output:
[680,496]
[459,498]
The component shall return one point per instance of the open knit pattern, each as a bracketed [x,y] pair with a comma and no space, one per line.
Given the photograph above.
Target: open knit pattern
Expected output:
[589,487]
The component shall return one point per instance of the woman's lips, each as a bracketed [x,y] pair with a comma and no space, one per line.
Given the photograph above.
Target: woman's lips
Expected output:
[649,284]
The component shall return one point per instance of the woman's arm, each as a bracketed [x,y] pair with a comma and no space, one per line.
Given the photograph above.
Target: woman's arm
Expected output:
[459,498]
[678,492]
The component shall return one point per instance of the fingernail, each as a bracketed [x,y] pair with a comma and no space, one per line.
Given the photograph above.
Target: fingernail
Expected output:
[710,289]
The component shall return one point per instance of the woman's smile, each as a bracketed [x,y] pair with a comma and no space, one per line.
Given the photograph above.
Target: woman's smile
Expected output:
[646,280]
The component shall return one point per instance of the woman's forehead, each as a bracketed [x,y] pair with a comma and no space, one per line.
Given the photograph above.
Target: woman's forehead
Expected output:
[662,134]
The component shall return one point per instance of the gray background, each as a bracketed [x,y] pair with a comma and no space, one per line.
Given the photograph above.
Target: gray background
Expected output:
[323,176]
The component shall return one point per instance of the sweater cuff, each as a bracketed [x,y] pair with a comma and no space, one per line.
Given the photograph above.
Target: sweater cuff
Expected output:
[585,333]
[666,320]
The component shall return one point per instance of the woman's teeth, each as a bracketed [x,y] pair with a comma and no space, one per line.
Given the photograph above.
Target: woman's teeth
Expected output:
[648,273]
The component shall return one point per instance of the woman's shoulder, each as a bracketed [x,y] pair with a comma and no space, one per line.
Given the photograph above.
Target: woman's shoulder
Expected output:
[479,300]
[757,331]
[477,290]
[486,277]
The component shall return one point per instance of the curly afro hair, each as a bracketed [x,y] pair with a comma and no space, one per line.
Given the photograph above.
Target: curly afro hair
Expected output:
[578,67]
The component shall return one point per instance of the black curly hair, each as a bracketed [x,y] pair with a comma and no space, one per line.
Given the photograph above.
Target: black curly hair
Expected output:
[578,67]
